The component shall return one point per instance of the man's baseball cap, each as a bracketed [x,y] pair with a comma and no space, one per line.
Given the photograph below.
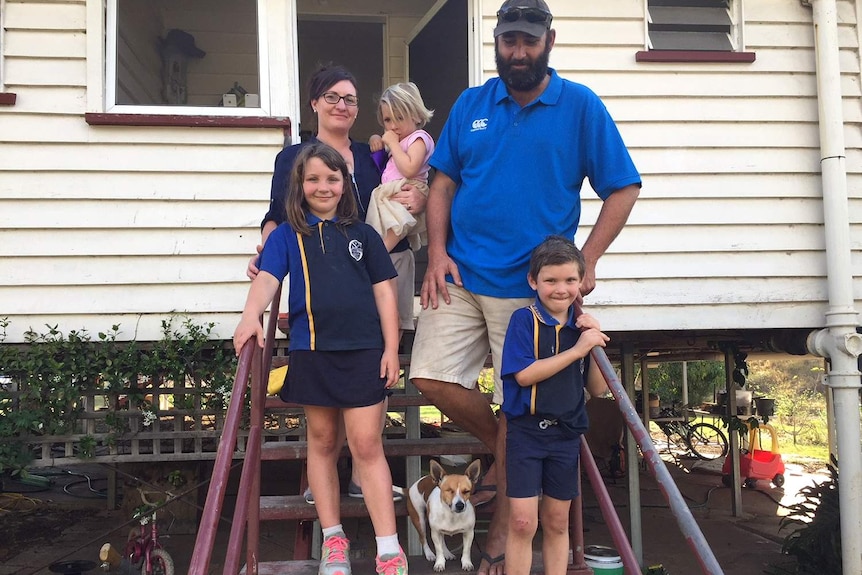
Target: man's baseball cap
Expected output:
[531,17]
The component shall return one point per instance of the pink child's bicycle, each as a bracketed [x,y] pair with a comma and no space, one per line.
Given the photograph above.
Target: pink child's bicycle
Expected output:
[143,548]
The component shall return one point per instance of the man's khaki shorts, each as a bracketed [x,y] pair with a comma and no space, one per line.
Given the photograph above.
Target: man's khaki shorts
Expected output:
[453,341]
[405,265]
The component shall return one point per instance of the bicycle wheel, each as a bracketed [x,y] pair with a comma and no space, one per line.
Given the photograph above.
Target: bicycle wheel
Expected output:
[706,441]
[161,562]
[676,435]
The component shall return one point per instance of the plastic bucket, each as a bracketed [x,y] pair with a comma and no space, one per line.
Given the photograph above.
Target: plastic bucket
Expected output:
[765,406]
[603,560]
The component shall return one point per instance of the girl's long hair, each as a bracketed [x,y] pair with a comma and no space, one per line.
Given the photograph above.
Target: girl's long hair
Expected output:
[297,207]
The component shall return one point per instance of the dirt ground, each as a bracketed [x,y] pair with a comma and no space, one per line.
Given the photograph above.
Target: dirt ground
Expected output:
[43,527]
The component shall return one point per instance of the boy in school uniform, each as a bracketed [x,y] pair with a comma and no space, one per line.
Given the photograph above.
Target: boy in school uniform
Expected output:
[545,370]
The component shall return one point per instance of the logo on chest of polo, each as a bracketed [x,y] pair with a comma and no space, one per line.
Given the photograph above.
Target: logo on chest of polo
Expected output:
[355,249]
[480,124]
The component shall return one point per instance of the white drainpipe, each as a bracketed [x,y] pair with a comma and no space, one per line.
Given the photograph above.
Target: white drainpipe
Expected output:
[838,341]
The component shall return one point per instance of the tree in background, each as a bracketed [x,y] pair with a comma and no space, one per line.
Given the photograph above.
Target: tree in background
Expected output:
[799,402]
[704,379]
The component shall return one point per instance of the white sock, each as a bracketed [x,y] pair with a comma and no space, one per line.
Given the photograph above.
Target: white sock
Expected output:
[388,545]
[334,530]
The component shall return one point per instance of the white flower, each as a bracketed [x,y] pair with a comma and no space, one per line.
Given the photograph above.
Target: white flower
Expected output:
[225,392]
[149,417]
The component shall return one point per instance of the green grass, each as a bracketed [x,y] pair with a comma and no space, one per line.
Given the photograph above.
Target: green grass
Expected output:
[804,453]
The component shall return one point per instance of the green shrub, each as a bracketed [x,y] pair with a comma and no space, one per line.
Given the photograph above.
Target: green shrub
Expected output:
[42,382]
[815,537]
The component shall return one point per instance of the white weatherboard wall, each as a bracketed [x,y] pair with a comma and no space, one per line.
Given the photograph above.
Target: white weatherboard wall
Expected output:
[728,230]
[105,225]
[102,225]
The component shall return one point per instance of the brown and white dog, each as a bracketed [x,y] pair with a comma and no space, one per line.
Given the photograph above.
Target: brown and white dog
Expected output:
[440,502]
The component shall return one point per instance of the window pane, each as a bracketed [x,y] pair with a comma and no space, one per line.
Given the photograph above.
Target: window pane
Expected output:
[691,19]
[689,41]
[187,52]
[691,25]
[692,3]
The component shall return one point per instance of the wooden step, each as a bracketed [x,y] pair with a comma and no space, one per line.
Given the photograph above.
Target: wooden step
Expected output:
[430,446]
[295,508]
[396,401]
[417,565]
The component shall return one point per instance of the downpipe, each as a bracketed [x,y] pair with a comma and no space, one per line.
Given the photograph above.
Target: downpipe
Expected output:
[843,348]
[839,341]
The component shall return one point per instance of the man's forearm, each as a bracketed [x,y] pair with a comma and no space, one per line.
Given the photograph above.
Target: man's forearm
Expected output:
[612,217]
[437,212]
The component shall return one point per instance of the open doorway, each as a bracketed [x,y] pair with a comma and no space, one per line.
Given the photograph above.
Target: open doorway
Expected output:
[322,41]
[386,41]
[441,69]
[371,38]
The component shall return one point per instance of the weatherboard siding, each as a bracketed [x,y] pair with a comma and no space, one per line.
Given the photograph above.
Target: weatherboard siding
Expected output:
[105,225]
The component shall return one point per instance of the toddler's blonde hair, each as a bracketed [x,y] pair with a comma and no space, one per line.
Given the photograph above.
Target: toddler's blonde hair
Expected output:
[405,101]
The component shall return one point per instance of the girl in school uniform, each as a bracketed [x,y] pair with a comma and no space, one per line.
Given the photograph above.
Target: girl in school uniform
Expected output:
[343,320]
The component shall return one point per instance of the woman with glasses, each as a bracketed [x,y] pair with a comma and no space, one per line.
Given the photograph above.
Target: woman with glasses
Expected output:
[332,97]
[333,100]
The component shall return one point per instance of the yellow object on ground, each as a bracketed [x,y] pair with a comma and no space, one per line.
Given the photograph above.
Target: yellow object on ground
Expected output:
[276,380]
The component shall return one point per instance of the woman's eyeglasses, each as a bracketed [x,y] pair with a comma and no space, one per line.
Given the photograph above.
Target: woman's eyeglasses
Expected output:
[531,15]
[333,98]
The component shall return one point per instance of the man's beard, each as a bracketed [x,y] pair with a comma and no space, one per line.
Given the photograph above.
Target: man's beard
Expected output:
[523,80]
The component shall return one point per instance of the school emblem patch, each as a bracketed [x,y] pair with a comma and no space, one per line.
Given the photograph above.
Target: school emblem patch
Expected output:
[355,249]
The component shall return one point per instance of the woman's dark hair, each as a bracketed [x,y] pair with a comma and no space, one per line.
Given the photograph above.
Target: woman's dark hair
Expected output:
[325,78]
[297,207]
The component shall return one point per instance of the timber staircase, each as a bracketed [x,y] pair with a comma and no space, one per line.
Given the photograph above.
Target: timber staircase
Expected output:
[251,508]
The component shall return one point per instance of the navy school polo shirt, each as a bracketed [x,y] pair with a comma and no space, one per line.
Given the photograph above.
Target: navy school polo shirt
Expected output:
[331,274]
[534,334]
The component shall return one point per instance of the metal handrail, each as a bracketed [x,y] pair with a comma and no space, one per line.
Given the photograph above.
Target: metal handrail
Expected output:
[252,362]
[687,524]
[205,539]
[615,526]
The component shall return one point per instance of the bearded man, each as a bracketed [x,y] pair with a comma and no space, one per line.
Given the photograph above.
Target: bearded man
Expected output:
[509,167]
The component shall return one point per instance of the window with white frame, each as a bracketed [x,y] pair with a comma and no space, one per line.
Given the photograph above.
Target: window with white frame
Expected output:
[694,25]
[186,57]
[2,43]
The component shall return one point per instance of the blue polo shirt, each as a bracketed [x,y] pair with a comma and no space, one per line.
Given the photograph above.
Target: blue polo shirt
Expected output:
[331,274]
[534,334]
[518,173]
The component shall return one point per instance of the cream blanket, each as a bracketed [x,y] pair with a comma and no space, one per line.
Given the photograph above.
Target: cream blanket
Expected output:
[385,214]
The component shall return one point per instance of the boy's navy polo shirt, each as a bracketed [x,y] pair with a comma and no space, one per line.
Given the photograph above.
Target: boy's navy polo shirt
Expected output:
[518,173]
[561,396]
[331,274]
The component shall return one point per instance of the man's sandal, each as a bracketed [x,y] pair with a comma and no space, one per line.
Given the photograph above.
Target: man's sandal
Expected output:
[492,560]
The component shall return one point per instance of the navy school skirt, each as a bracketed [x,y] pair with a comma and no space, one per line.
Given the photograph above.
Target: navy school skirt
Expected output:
[334,378]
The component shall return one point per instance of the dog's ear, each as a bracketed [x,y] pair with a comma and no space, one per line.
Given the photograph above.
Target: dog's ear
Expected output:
[437,471]
[474,470]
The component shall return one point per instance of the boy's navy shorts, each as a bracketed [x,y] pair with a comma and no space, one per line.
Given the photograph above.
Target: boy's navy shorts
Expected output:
[541,459]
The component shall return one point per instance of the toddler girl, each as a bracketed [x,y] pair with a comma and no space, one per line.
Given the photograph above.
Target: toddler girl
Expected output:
[402,113]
